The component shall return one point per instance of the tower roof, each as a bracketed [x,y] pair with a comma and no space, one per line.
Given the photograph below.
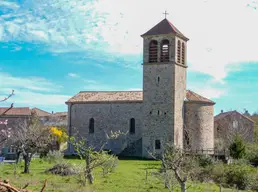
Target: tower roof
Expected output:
[164,27]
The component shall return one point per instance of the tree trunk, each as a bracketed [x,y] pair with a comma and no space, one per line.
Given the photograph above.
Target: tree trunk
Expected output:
[89,174]
[183,187]
[17,157]
[27,160]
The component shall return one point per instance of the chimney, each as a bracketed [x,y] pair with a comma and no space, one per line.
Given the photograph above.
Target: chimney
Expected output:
[221,111]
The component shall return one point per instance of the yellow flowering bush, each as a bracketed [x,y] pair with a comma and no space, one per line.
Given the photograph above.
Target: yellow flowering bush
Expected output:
[57,133]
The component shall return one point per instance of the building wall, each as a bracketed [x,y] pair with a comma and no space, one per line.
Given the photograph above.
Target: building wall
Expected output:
[164,89]
[180,94]
[158,104]
[199,125]
[108,117]
[234,124]
[13,123]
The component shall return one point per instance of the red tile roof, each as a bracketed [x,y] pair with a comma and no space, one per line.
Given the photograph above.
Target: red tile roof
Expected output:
[164,27]
[58,114]
[194,97]
[17,111]
[40,112]
[106,96]
[125,96]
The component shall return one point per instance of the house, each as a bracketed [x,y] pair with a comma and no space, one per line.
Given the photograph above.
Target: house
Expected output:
[13,116]
[231,123]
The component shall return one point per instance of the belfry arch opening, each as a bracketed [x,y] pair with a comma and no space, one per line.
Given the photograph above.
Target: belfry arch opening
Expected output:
[178,51]
[183,53]
[153,51]
[164,57]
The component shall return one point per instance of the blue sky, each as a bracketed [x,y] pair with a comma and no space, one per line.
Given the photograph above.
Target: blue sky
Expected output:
[52,49]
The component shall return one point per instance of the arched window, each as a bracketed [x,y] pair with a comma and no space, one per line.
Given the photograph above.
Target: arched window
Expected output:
[153,51]
[164,57]
[178,51]
[132,126]
[91,126]
[183,53]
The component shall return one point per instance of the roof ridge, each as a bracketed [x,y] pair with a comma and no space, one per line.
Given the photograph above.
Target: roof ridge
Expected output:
[225,114]
[40,110]
[108,91]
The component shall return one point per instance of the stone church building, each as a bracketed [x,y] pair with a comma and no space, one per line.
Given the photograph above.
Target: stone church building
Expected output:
[147,119]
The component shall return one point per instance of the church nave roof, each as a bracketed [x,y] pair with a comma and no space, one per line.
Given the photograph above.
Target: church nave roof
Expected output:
[124,96]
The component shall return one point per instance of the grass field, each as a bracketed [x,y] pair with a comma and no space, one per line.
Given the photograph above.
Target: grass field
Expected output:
[130,176]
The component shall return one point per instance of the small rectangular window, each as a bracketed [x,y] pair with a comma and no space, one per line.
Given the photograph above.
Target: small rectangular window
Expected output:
[91,125]
[132,126]
[157,144]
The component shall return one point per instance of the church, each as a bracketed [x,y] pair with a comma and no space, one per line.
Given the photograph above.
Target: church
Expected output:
[163,112]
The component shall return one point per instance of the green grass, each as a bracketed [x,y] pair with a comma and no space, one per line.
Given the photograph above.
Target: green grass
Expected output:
[130,176]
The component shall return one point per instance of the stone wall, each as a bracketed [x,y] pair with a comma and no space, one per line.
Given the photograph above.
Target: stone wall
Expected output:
[107,117]
[180,94]
[158,104]
[164,89]
[199,125]
[233,124]
[13,123]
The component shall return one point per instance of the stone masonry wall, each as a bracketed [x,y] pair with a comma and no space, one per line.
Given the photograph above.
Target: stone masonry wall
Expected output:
[107,117]
[180,93]
[158,104]
[234,124]
[164,89]
[199,124]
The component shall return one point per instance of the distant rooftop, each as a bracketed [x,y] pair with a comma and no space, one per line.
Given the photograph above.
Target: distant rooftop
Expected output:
[40,112]
[15,111]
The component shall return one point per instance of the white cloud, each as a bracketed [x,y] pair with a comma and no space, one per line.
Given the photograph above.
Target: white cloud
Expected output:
[28,83]
[209,92]
[30,91]
[8,4]
[221,32]
[32,99]
[73,75]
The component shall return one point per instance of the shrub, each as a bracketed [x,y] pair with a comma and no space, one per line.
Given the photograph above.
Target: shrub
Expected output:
[205,161]
[237,148]
[252,154]
[218,173]
[109,165]
[54,156]
[243,176]
[63,169]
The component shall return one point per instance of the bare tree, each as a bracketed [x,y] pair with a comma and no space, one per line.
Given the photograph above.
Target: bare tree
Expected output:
[178,162]
[5,131]
[92,153]
[30,137]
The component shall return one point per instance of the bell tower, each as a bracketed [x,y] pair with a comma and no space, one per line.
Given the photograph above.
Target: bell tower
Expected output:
[164,87]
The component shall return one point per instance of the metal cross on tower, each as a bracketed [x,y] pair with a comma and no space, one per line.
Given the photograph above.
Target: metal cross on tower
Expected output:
[166,13]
